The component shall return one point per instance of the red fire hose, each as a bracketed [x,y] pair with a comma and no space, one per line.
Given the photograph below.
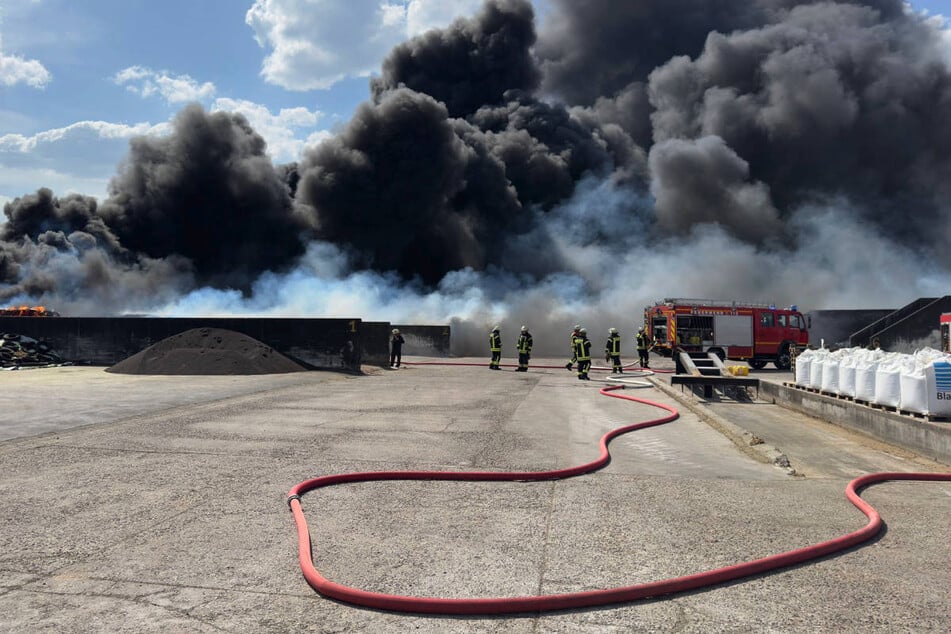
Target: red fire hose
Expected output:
[630,367]
[508,605]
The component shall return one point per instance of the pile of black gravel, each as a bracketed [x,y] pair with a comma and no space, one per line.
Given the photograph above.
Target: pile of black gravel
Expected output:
[208,351]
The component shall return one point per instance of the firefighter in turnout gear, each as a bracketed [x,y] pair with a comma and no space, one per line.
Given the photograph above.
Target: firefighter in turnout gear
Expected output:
[583,354]
[495,346]
[643,347]
[612,350]
[571,340]
[396,348]
[524,347]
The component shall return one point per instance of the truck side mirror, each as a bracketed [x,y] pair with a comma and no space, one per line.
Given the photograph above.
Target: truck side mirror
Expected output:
[809,322]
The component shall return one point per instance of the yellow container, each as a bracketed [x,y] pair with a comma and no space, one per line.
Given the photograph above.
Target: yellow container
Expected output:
[738,370]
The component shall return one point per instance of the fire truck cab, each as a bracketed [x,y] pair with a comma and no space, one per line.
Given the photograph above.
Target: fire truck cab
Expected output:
[755,333]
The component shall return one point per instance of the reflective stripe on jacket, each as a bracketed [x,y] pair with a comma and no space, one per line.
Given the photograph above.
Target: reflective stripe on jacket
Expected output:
[643,341]
[613,346]
[495,342]
[524,343]
[583,349]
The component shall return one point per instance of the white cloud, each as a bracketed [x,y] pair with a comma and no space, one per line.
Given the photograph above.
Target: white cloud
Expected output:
[317,138]
[80,157]
[423,15]
[18,181]
[173,88]
[279,130]
[317,43]
[100,129]
[941,23]
[392,14]
[17,70]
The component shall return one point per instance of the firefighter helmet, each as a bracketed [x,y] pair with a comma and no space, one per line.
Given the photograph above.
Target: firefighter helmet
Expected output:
[613,331]
[396,331]
[495,329]
[583,331]
[524,328]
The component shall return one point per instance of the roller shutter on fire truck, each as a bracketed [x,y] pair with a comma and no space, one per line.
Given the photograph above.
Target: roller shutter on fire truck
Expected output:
[733,330]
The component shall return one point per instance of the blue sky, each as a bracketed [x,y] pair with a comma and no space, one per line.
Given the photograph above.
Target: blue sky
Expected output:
[77,80]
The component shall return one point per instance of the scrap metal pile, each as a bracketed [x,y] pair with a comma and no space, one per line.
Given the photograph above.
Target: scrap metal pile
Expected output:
[27,311]
[19,351]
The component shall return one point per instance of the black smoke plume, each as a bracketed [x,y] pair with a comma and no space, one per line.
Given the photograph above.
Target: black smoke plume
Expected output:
[402,189]
[209,193]
[203,206]
[470,64]
[60,251]
[832,100]
[453,155]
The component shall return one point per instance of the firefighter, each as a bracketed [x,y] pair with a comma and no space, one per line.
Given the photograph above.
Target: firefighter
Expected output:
[495,346]
[571,341]
[396,349]
[612,350]
[643,347]
[524,347]
[583,354]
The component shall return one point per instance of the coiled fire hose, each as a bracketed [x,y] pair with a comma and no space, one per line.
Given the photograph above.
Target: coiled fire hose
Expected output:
[509,605]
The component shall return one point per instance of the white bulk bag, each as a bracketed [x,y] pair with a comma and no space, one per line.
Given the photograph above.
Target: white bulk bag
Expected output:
[926,356]
[847,375]
[803,363]
[865,371]
[939,387]
[815,371]
[916,384]
[914,389]
[830,375]
[888,383]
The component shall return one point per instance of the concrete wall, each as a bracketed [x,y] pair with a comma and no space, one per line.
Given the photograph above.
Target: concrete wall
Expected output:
[925,438]
[319,343]
[375,342]
[425,341]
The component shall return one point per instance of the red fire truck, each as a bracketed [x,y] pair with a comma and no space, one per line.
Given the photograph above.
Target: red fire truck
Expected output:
[755,333]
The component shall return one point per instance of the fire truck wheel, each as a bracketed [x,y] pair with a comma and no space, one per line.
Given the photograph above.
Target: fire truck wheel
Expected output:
[783,360]
[757,364]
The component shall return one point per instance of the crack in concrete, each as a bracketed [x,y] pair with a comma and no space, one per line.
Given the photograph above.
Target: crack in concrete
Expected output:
[138,600]
[543,564]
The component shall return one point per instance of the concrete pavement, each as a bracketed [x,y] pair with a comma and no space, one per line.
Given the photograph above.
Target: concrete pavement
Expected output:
[158,504]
